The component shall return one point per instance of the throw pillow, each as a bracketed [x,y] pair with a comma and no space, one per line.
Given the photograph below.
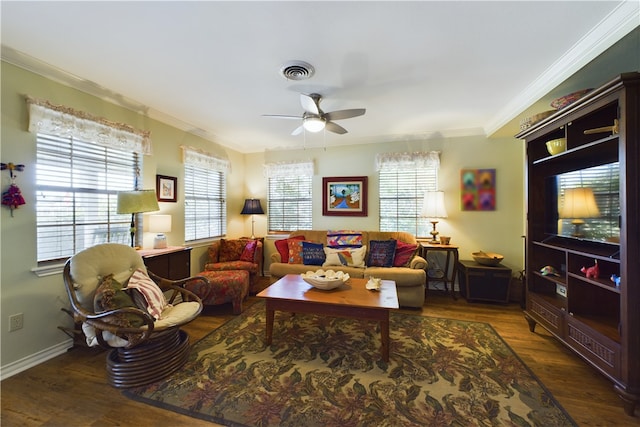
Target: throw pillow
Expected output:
[344,238]
[152,292]
[110,296]
[312,253]
[381,253]
[282,247]
[231,250]
[295,251]
[404,254]
[352,257]
[249,251]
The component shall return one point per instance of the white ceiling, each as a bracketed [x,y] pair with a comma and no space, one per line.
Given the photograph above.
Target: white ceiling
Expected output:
[420,68]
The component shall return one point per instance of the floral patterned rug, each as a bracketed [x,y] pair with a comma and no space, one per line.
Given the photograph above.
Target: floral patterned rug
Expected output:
[323,371]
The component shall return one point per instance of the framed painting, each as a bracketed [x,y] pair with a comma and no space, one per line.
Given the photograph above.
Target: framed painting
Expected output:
[166,188]
[478,189]
[344,196]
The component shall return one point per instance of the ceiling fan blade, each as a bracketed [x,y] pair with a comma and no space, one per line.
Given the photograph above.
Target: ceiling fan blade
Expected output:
[344,114]
[282,116]
[309,104]
[297,131]
[335,128]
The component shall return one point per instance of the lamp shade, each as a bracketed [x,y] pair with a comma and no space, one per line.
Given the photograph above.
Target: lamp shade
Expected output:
[433,206]
[131,202]
[579,203]
[159,223]
[313,124]
[252,207]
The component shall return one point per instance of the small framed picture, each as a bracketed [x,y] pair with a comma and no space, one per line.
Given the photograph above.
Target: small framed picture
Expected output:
[166,188]
[344,196]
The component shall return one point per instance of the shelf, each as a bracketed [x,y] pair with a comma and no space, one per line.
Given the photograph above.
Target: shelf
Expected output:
[601,250]
[606,326]
[585,152]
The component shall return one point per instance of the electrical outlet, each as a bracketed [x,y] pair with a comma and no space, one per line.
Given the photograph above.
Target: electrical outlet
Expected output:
[16,322]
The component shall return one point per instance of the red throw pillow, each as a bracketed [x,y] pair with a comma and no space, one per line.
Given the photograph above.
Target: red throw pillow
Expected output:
[295,251]
[404,254]
[231,250]
[249,251]
[283,247]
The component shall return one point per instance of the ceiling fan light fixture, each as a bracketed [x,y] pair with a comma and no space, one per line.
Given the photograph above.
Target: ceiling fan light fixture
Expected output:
[313,124]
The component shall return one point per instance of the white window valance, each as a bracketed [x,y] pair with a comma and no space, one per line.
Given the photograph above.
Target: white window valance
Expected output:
[418,159]
[197,157]
[58,120]
[304,168]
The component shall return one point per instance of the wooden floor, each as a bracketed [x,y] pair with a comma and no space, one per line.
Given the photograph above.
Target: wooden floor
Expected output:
[72,389]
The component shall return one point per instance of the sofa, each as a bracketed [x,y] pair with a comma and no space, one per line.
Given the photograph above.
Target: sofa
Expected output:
[409,273]
[236,254]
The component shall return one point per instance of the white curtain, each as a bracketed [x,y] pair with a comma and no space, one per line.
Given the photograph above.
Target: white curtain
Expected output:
[62,121]
[196,157]
[398,161]
[303,168]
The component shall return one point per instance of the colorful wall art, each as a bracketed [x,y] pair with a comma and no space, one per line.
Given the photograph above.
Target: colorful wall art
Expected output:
[478,189]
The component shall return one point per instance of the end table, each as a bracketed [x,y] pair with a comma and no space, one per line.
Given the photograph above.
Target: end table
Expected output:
[449,277]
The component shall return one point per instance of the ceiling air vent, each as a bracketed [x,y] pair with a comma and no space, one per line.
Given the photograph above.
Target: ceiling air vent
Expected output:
[297,70]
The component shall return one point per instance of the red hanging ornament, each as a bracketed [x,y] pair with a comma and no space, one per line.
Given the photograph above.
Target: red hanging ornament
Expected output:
[12,197]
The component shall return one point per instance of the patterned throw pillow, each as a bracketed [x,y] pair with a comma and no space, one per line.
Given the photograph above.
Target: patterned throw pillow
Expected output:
[152,292]
[404,254]
[312,253]
[231,250]
[352,257]
[295,251]
[381,253]
[249,251]
[282,247]
[344,238]
[110,296]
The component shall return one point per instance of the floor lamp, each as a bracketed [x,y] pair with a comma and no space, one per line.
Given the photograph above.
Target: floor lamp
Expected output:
[252,207]
[134,202]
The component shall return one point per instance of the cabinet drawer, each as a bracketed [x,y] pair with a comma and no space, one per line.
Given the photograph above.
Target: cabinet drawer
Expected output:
[547,315]
[598,349]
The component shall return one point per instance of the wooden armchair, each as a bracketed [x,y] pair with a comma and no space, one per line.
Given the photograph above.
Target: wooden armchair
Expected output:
[122,306]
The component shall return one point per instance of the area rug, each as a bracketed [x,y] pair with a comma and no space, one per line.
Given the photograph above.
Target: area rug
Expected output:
[323,371]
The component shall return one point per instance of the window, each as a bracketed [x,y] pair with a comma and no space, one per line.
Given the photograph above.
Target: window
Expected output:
[76,195]
[403,180]
[205,195]
[290,196]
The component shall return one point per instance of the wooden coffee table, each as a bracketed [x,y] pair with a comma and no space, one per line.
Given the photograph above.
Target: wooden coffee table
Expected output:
[351,300]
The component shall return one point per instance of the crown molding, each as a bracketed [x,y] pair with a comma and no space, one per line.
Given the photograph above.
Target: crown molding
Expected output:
[620,22]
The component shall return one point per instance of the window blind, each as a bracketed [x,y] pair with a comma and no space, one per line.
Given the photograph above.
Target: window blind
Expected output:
[289,204]
[205,202]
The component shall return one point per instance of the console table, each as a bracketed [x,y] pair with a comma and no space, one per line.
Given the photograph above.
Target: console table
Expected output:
[450,268]
[172,263]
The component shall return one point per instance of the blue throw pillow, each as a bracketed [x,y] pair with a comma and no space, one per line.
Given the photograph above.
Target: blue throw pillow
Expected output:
[381,253]
[312,253]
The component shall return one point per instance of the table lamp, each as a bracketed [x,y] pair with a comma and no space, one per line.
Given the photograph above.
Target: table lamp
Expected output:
[160,224]
[252,207]
[433,208]
[579,203]
[136,201]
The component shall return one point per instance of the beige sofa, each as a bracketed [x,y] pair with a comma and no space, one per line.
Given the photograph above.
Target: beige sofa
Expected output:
[410,281]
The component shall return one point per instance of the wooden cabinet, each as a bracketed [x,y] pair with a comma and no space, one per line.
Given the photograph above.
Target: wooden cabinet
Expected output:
[484,283]
[171,263]
[591,314]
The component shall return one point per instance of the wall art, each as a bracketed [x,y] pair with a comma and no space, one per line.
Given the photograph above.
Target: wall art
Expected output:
[344,196]
[166,188]
[478,189]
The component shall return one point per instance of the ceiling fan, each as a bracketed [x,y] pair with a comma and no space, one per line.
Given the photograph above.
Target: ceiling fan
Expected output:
[314,119]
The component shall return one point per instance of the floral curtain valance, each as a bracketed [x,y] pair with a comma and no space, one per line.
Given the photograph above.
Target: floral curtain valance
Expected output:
[272,170]
[58,120]
[206,160]
[420,159]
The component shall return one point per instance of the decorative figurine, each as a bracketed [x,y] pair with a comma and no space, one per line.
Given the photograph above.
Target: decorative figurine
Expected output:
[12,197]
[591,272]
[615,279]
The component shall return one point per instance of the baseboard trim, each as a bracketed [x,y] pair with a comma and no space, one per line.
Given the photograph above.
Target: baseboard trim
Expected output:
[35,359]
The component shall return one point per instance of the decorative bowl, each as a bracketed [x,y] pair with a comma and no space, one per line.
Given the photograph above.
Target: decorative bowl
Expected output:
[325,280]
[530,121]
[556,146]
[487,258]
[569,99]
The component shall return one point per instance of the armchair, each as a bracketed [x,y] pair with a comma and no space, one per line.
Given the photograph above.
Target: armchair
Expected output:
[123,307]
[236,254]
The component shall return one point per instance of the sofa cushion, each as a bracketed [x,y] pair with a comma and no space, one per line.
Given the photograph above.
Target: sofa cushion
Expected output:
[313,253]
[249,251]
[110,296]
[404,254]
[231,249]
[381,253]
[352,257]
[282,246]
[295,251]
[344,238]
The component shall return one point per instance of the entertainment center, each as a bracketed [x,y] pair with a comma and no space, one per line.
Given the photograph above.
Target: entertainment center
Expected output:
[583,269]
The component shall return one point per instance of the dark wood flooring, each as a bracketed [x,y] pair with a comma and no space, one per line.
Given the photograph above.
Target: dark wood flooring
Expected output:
[72,389]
